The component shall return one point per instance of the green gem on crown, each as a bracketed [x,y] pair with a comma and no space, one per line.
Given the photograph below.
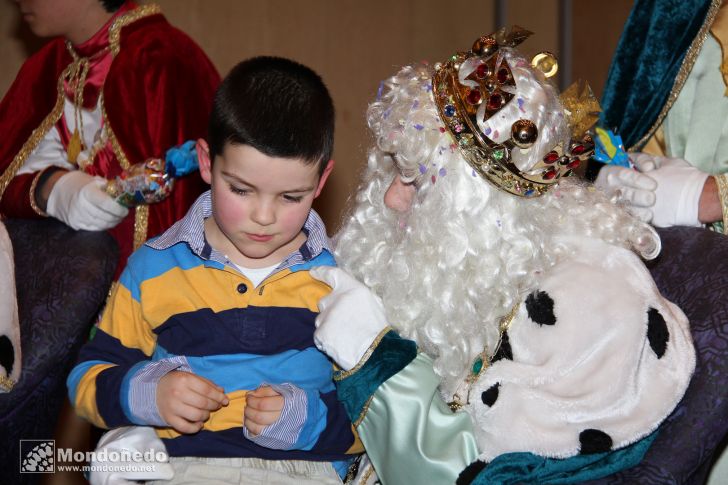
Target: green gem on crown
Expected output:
[499,154]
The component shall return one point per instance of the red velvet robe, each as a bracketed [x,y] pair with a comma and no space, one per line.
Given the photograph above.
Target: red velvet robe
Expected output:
[158,93]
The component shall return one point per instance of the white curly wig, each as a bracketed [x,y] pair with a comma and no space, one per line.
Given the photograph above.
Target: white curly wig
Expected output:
[450,268]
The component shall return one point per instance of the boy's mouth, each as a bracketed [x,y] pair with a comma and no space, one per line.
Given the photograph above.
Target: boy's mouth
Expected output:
[260,237]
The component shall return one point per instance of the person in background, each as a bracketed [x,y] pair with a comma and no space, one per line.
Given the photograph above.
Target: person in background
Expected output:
[667,97]
[116,85]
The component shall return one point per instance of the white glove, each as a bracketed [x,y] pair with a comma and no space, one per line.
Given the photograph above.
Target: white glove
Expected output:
[629,185]
[679,186]
[78,199]
[138,442]
[350,317]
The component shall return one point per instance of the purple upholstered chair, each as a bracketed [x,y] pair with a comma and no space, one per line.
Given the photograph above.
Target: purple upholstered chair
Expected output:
[692,271]
[62,279]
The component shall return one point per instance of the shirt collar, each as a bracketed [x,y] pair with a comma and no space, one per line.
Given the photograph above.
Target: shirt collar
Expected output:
[191,231]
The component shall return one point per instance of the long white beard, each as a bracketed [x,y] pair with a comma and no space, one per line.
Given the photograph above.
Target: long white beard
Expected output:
[453,266]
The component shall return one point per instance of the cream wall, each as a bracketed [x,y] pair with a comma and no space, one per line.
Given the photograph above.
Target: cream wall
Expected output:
[354,44]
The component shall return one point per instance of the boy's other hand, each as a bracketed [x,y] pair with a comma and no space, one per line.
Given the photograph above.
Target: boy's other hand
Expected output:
[263,407]
[185,400]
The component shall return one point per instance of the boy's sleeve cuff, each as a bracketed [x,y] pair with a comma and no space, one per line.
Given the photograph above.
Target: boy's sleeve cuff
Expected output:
[356,387]
[139,389]
[284,433]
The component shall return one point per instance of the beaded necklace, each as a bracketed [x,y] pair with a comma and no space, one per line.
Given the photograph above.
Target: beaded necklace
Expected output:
[481,363]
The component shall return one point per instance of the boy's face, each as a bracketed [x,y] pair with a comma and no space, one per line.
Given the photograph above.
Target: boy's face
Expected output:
[49,18]
[259,203]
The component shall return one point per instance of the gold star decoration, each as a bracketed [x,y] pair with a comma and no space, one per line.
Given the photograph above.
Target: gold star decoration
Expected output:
[582,108]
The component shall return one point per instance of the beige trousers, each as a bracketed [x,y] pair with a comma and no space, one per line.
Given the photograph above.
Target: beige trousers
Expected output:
[248,471]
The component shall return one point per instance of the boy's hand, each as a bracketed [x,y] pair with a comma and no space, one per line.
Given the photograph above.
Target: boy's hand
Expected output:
[262,408]
[185,400]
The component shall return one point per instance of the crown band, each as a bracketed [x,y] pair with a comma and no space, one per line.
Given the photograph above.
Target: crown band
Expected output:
[474,86]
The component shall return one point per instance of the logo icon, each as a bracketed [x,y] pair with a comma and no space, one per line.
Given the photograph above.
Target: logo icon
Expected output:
[37,456]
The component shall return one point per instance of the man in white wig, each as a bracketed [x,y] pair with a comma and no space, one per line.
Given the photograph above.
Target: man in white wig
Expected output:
[541,350]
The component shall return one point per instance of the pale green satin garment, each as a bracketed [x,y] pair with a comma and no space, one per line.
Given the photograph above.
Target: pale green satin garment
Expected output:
[412,435]
[696,127]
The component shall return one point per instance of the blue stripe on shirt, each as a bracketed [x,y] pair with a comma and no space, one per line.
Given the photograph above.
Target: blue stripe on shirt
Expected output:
[308,369]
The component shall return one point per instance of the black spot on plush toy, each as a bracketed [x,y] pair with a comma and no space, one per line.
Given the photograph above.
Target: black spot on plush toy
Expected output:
[657,332]
[594,441]
[540,308]
[470,472]
[504,349]
[490,396]
[7,354]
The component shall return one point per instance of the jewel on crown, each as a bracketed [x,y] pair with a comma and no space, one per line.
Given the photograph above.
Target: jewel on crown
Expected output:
[473,87]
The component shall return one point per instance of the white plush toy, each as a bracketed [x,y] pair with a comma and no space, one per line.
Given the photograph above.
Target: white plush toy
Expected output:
[9,324]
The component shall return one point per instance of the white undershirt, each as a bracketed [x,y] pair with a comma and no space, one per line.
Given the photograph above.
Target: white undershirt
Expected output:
[50,150]
[255,275]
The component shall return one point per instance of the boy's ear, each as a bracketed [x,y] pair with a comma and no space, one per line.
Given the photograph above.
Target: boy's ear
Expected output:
[324,176]
[203,159]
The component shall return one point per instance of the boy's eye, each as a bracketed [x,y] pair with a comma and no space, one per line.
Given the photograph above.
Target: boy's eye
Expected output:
[293,198]
[238,191]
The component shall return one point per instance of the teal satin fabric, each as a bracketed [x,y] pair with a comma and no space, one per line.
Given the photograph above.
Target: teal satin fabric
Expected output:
[411,435]
[392,354]
[654,42]
[515,468]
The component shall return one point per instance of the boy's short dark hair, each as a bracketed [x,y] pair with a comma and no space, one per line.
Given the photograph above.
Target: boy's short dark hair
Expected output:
[277,106]
[112,5]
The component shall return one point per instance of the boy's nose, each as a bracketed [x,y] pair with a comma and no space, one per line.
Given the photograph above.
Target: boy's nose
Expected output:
[264,214]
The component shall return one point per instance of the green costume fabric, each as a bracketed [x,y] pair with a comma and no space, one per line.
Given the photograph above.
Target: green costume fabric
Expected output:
[696,127]
[514,468]
[654,43]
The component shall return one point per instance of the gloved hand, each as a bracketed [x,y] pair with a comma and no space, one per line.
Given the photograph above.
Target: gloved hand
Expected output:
[679,186]
[637,189]
[350,317]
[141,441]
[78,199]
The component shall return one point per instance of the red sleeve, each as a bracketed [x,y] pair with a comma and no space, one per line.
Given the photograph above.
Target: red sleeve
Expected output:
[27,103]
[16,198]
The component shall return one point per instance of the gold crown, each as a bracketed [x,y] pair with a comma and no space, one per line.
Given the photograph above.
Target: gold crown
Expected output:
[491,82]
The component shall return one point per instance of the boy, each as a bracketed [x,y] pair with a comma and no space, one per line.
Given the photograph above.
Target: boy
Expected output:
[209,336]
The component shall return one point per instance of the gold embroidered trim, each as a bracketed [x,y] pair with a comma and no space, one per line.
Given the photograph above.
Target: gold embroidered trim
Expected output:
[141,223]
[31,194]
[341,375]
[485,358]
[368,474]
[141,214]
[683,73]
[111,136]
[126,19]
[722,182]
[38,134]
[363,413]
[7,383]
